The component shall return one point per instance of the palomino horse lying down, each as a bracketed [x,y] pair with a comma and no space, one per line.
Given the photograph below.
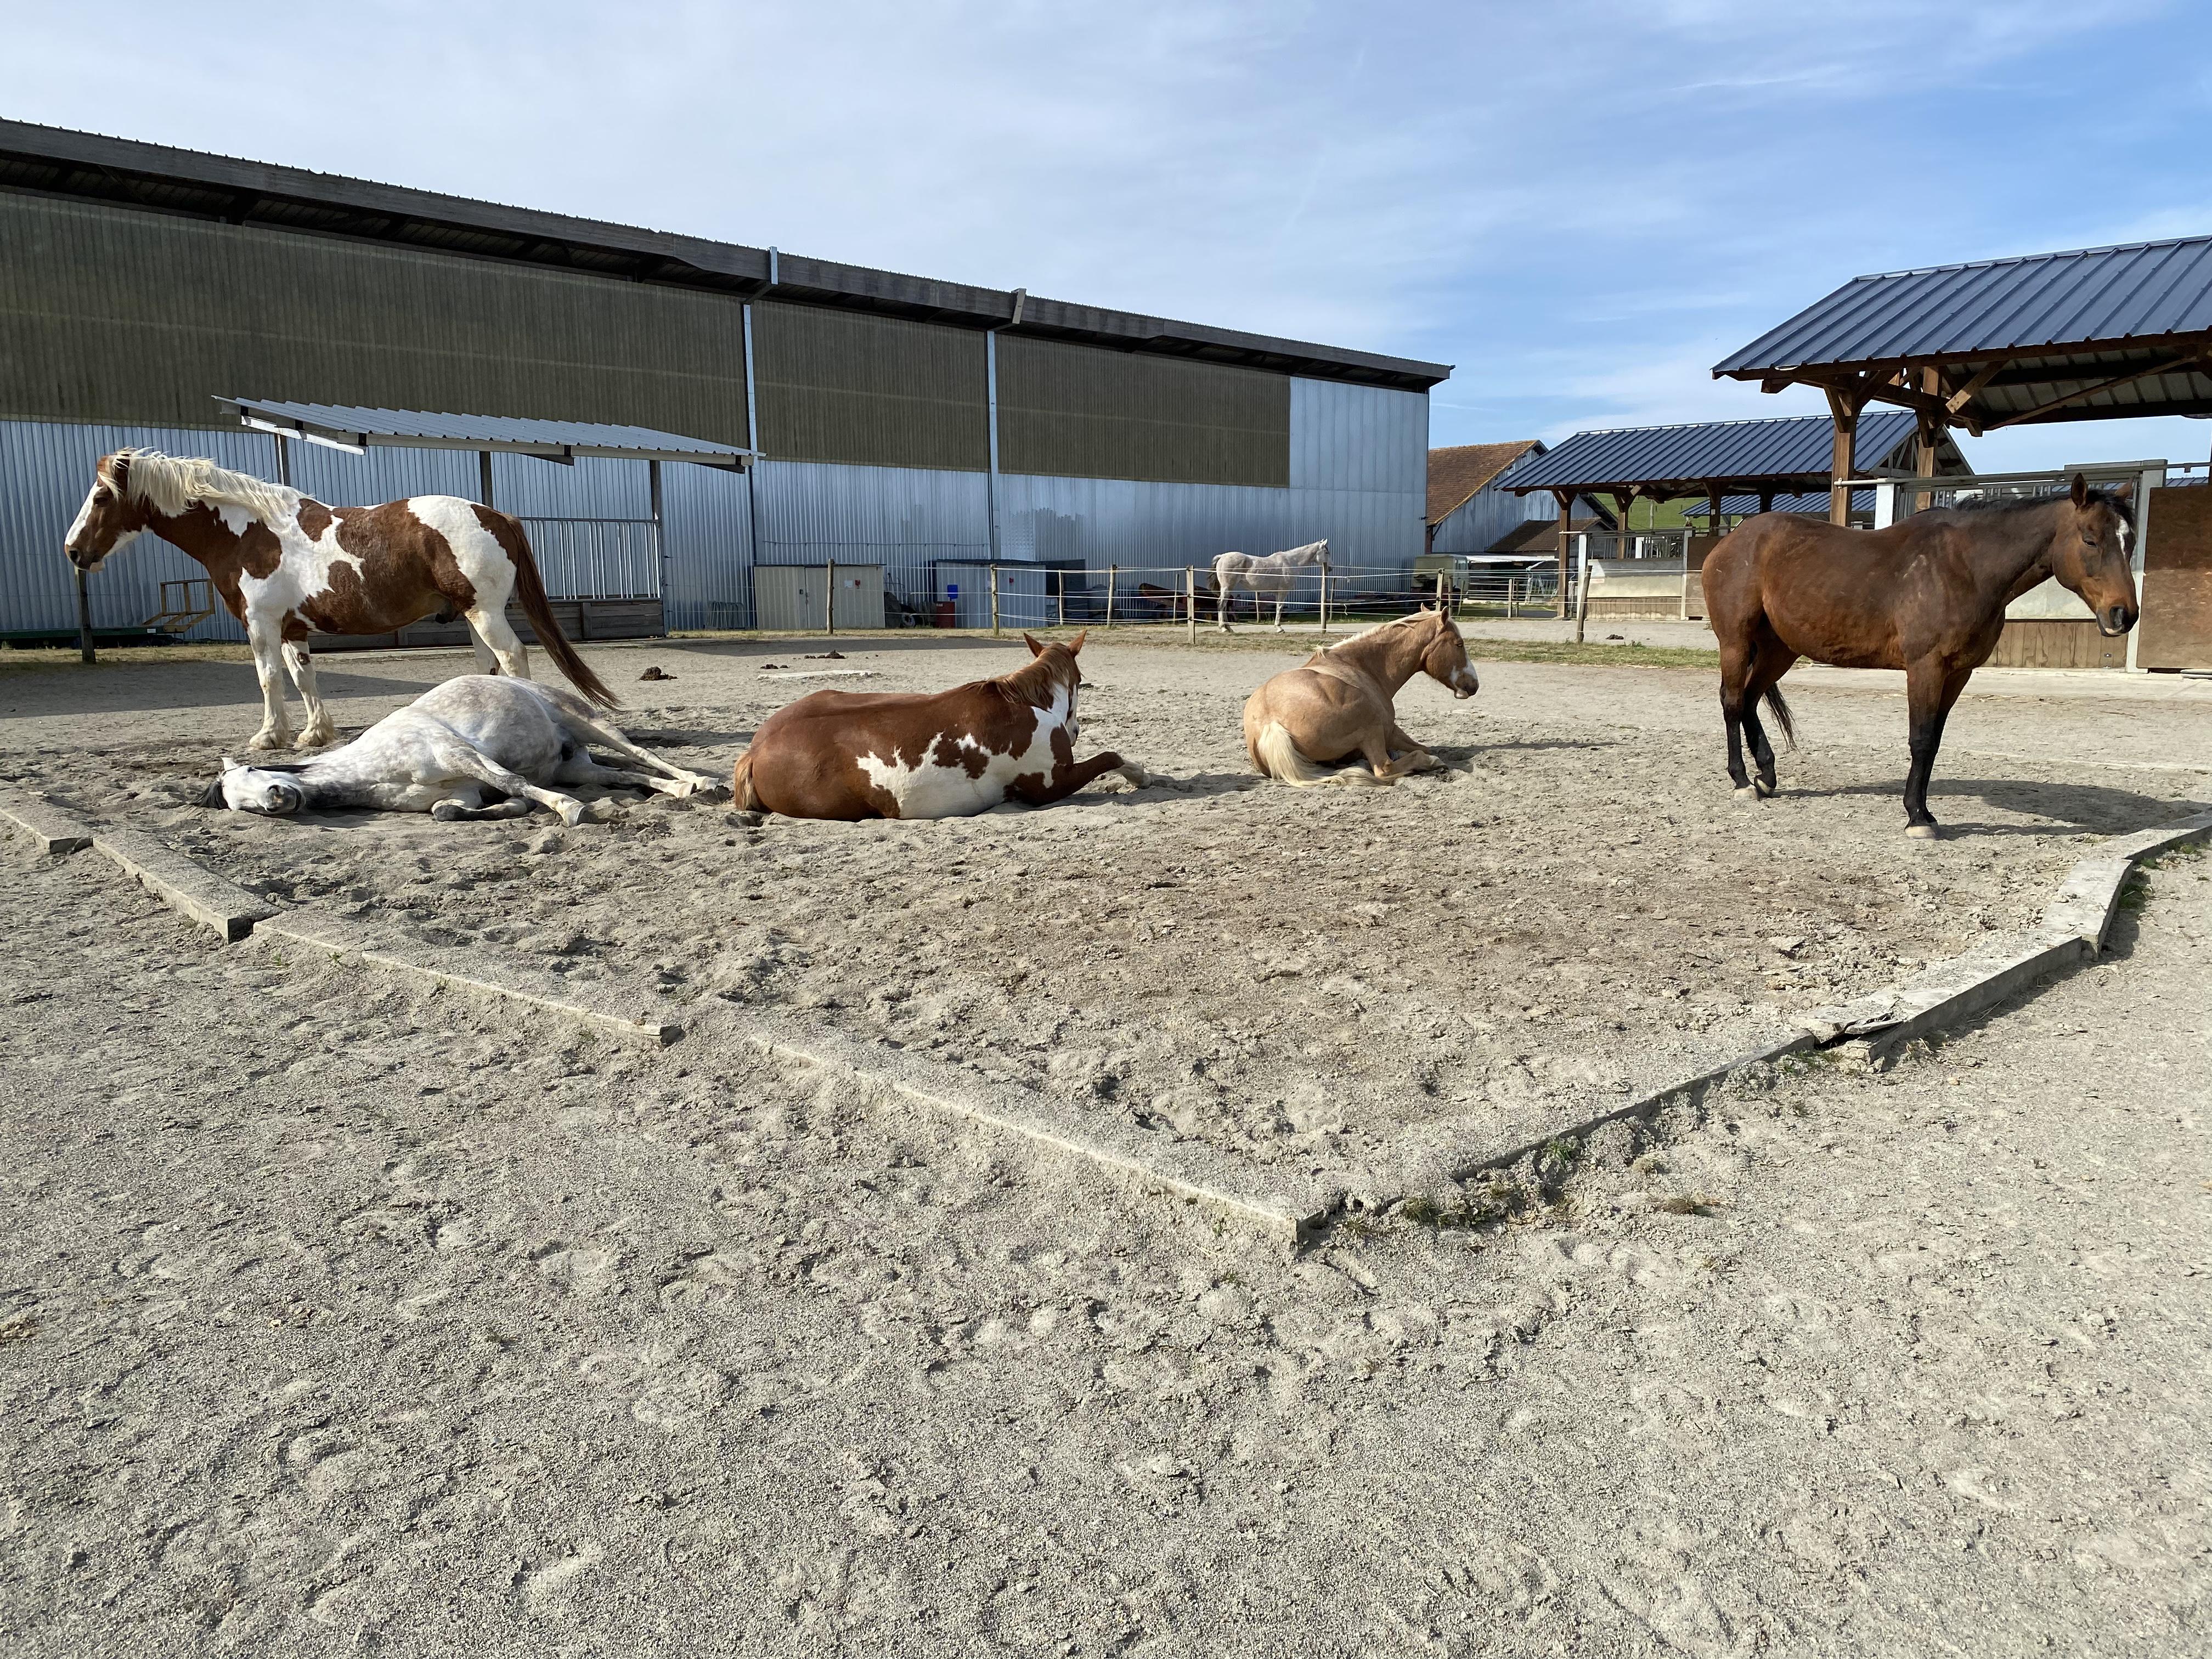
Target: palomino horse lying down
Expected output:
[931,755]
[452,749]
[1342,703]
[288,566]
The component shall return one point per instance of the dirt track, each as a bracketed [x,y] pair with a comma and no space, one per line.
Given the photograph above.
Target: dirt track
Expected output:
[335,1319]
[1578,909]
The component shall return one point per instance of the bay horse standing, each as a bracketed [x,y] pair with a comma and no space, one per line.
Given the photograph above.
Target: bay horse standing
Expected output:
[287,566]
[855,754]
[1342,703]
[1927,596]
[1273,573]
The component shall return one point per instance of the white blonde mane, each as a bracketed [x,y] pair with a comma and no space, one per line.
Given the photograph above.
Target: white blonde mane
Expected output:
[1408,620]
[172,484]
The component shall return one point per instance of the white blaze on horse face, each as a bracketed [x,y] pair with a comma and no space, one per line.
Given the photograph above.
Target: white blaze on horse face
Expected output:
[934,791]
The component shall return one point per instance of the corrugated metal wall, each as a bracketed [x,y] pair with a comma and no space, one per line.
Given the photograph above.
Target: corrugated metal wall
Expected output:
[45,468]
[45,471]
[1084,412]
[110,313]
[1476,524]
[1358,464]
[837,385]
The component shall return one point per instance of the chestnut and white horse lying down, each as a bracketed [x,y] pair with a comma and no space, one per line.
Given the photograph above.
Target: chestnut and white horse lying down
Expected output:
[452,750]
[931,755]
[1342,703]
[287,566]
[1272,573]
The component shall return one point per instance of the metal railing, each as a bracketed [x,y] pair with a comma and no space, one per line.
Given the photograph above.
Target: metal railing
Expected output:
[597,558]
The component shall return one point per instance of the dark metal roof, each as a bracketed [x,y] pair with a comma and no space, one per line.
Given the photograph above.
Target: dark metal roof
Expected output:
[1788,452]
[1805,501]
[85,165]
[2095,333]
[344,427]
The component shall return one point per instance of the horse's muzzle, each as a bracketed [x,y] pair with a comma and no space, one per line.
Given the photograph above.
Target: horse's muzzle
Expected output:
[2115,620]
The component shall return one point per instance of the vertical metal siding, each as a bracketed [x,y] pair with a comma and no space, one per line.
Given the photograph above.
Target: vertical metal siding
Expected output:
[45,468]
[707,520]
[901,518]
[1476,524]
[1359,471]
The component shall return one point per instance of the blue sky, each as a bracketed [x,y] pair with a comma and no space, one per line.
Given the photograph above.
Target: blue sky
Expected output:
[1581,205]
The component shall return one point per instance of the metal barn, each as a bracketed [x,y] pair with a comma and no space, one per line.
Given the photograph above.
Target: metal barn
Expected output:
[907,424]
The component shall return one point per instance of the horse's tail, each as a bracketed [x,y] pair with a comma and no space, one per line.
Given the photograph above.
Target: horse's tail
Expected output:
[743,798]
[1780,710]
[1280,758]
[530,594]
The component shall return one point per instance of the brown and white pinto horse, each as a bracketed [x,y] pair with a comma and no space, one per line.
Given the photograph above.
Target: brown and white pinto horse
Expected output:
[930,754]
[287,566]
[1927,596]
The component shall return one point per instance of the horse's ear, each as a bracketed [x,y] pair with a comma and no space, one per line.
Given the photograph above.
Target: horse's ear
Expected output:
[2125,492]
[1036,650]
[118,471]
[1075,645]
[2081,491]
[213,795]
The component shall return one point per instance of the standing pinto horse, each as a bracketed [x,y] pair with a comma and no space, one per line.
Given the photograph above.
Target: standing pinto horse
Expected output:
[1927,596]
[929,755]
[287,566]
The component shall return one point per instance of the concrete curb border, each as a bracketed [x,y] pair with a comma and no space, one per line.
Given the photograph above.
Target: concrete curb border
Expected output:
[55,829]
[353,945]
[2073,930]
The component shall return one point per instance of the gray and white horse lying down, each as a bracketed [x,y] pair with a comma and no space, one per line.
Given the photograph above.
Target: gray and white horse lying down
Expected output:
[480,747]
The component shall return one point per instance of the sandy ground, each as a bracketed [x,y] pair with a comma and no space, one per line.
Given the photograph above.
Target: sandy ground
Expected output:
[1576,910]
[336,1319]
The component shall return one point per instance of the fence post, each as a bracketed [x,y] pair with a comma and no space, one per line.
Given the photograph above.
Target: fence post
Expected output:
[1324,599]
[84,650]
[830,587]
[1063,599]
[1582,585]
[1440,590]
[1190,600]
[994,601]
[1113,576]
[1509,598]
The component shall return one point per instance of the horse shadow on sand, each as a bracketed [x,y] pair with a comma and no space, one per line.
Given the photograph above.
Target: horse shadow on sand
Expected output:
[2066,808]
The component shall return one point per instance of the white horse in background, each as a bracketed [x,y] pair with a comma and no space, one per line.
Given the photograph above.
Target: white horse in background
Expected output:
[478,746]
[1273,573]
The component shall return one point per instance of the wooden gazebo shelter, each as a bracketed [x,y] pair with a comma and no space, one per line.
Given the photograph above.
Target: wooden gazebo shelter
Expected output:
[2097,334]
[1777,456]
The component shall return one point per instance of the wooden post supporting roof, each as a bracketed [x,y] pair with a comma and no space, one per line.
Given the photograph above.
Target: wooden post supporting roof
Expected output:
[1566,501]
[1931,437]
[1843,410]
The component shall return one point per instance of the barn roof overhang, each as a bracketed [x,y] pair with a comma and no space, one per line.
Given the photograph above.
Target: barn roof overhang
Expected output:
[339,426]
[56,161]
[1783,455]
[2093,334]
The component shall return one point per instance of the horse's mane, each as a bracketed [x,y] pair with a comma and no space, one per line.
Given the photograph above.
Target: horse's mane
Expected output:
[2030,503]
[1406,621]
[171,484]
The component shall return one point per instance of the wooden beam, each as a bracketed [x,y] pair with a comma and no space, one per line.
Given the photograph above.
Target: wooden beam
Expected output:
[1844,416]
[1566,501]
[2166,368]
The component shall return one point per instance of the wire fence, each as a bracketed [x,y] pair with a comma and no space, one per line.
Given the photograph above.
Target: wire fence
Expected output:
[972,593]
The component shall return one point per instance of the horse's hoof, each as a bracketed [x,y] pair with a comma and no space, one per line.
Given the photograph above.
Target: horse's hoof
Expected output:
[1922,831]
[1749,792]
[1765,789]
[264,741]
